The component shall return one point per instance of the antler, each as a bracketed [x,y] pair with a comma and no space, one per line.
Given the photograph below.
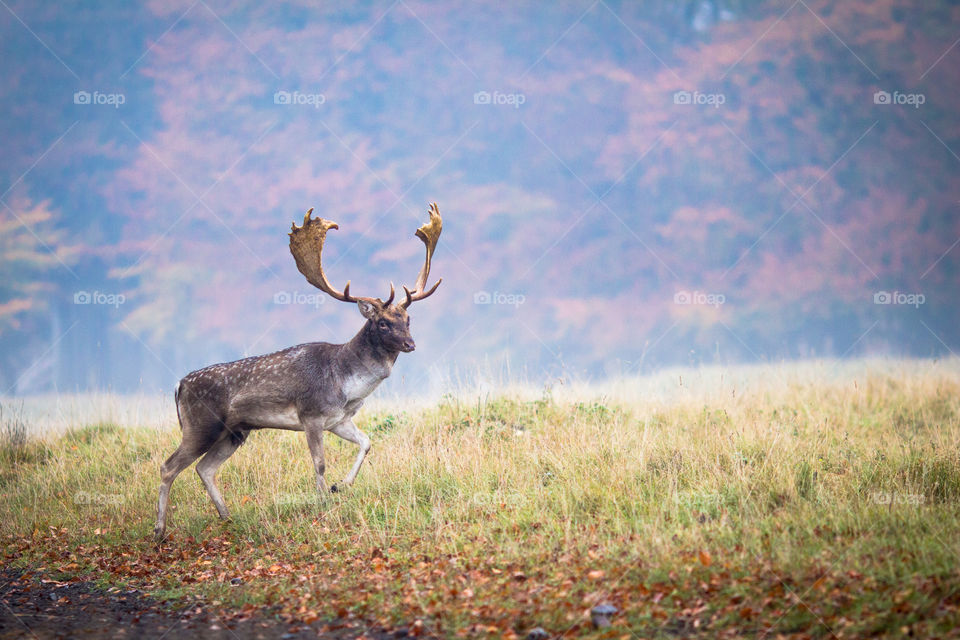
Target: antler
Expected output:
[306,245]
[430,234]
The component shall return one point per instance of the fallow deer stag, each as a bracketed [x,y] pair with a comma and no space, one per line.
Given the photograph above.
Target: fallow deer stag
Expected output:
[313,387]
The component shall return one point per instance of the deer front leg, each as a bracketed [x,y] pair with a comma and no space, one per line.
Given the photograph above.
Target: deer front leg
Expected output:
[349,431]
[315,443]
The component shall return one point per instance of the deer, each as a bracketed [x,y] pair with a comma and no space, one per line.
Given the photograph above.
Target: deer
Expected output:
[314,387]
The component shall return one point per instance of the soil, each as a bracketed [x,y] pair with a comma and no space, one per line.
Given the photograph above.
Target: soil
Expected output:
[33,608]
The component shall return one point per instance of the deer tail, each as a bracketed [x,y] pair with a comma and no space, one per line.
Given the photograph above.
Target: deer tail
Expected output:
[176,401]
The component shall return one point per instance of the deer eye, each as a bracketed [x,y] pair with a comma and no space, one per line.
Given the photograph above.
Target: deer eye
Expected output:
[383,325]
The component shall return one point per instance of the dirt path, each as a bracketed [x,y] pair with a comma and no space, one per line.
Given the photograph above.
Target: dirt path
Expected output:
[30,608]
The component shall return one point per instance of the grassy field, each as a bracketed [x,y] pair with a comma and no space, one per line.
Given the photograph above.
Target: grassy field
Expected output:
[815,499]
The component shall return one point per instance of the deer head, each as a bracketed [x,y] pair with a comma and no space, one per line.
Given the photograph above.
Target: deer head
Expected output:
[387,322]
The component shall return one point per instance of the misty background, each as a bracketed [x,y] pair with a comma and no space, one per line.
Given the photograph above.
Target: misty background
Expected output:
[624,186]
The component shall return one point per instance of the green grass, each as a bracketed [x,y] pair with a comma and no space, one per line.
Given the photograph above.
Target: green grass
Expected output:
[788,506]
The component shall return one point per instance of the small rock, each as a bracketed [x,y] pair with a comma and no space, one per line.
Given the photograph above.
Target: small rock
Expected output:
[287,636]
[402,632]
[236,582]
[600,615]
[538,633]
[53,596]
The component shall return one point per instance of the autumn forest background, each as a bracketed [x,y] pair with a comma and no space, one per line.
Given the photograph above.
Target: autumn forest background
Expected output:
[625,186]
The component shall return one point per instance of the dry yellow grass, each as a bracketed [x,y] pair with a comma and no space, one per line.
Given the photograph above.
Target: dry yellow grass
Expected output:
[791,472]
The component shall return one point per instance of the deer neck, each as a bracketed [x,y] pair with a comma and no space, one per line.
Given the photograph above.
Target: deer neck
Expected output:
[366,356]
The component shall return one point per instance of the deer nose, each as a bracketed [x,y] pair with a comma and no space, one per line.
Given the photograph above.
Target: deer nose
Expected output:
[408,345]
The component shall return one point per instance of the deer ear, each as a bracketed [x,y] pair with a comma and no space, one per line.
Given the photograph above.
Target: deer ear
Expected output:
[367,309]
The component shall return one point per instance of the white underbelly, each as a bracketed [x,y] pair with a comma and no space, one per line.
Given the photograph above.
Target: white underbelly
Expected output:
[285,418]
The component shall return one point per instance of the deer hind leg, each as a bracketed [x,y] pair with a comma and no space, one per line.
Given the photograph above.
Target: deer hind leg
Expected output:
[222,449]
[188,451]
[201,430]
[349,431]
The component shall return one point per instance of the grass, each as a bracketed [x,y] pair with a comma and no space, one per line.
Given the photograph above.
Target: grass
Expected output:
[783,503]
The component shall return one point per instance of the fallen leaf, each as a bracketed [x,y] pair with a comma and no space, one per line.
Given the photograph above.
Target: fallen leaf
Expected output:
[705,558]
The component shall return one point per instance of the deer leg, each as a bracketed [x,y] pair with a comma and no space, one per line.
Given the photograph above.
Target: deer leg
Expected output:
[315,443]
[216,456]
[183,457]
[348,431]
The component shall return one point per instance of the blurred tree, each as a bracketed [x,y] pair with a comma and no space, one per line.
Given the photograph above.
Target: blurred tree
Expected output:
[794,187]
[796,197]
[32,250]
[33,254]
